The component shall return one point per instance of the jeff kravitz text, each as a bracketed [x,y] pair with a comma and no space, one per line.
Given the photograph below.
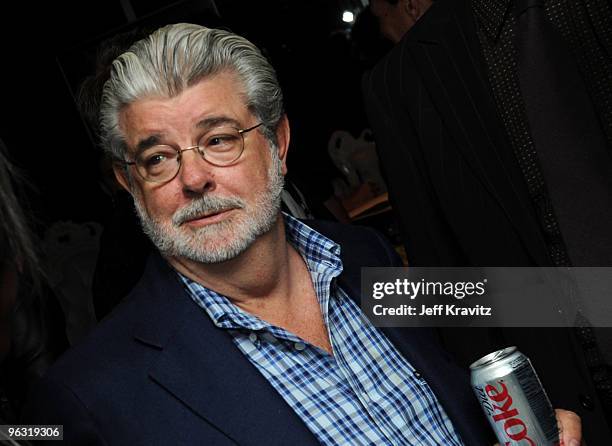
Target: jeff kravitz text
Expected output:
[433,310]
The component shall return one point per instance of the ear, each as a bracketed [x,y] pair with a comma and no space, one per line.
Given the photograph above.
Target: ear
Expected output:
[121,176]
[411,8]
[419,7]
[283,135]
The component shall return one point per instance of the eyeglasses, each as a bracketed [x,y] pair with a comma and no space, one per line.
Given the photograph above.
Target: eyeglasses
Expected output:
[220,146]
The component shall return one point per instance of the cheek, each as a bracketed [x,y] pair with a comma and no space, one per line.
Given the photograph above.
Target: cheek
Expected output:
[243,180]
[157,201]
[257,180]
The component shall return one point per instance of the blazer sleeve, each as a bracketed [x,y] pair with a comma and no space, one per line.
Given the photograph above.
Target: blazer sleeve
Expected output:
[52,403]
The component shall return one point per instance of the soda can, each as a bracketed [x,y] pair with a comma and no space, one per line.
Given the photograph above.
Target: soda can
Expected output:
[514,400]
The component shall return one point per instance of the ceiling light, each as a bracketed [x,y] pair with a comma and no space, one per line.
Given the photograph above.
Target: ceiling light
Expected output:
[348,17]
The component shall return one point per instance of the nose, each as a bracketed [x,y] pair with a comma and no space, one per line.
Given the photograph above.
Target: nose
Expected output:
[195,175]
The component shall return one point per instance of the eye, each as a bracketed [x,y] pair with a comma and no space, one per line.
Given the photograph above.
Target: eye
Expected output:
[155,160]
[220,140]
[156,156]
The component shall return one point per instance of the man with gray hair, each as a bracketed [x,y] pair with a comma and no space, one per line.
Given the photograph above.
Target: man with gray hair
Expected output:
[245,327]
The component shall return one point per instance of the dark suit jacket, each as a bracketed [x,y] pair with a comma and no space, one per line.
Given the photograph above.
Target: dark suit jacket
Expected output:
[456,186]
[157,371]
[453,178]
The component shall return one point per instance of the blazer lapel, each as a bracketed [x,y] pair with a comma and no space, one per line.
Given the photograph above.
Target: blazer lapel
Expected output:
[449,63]
[200,365]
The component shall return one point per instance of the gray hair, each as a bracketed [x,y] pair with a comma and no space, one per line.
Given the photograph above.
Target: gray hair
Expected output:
[178,56]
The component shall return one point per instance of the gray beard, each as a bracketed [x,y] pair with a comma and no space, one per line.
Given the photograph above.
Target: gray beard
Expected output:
[221,241]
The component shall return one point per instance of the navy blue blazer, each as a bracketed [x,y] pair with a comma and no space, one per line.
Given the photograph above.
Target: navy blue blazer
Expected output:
[158,372]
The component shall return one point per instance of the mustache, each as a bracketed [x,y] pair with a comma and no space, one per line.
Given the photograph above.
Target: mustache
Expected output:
[205,205]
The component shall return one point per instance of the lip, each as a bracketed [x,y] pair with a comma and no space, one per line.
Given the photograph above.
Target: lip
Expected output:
[209,219]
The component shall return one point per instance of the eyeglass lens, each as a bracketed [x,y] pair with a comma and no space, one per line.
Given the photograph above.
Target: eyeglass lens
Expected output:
[220,146]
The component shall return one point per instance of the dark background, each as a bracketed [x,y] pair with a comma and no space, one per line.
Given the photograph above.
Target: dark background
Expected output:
[48,49]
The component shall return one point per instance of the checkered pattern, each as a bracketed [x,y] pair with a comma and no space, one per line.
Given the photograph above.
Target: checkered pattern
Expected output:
[366,393]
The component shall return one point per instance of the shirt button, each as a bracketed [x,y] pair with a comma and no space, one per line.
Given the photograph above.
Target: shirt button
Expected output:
[417,375]
[365,396]
[253,337]
[299,346]
[268,337]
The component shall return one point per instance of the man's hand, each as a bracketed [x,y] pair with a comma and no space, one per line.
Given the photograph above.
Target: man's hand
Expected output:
[570,428]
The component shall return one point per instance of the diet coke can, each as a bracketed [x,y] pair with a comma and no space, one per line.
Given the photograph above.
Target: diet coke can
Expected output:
[514,400]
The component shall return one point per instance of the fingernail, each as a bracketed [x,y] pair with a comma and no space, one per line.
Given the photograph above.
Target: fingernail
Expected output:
[574,442]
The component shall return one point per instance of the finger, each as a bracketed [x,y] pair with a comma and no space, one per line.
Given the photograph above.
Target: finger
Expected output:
[570,427]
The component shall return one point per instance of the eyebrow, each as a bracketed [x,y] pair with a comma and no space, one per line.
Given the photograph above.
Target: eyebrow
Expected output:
[147,143]
[215,121]
[206,123]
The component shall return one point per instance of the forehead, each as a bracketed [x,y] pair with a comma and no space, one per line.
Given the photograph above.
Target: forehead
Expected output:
[215,96]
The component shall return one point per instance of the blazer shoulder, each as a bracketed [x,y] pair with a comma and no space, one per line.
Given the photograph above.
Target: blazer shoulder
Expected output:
[107,343]
[113,342]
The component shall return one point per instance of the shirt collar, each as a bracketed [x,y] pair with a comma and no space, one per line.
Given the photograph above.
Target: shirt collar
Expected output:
[490,15]
[319,252]
[322,256]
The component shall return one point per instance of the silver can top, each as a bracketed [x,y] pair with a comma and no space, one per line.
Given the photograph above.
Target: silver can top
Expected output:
[492,357]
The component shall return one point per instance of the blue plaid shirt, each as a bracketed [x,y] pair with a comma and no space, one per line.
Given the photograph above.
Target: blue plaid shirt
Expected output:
[366,393]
